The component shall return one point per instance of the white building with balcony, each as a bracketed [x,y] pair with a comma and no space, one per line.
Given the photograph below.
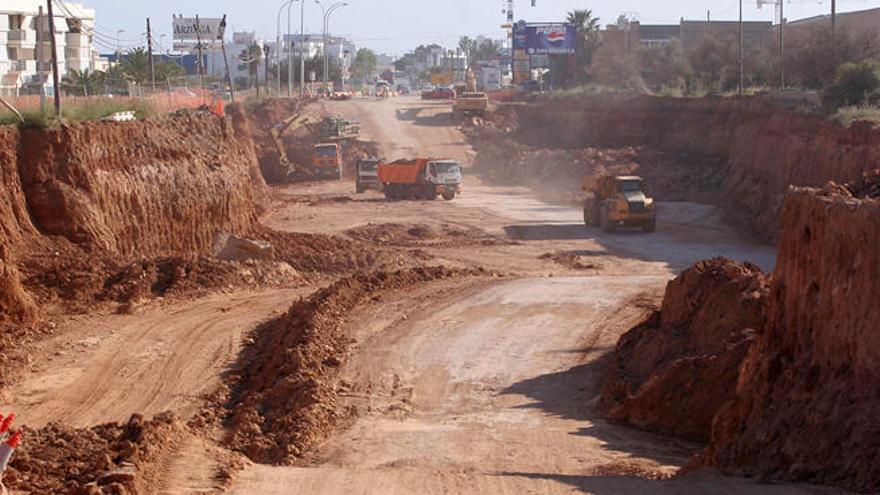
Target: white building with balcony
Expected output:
[25,43]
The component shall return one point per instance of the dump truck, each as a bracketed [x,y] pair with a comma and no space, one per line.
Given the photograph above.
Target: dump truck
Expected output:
[618,201]
[367,175]
[421,178]
[468,101]
[470,104]
[327,161]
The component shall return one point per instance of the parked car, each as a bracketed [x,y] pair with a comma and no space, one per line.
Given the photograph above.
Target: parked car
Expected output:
[439,93]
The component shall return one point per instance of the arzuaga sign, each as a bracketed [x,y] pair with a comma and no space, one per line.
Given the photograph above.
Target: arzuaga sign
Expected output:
[191,29]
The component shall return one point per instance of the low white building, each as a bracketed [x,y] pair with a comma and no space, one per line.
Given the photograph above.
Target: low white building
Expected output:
[25,43]
[238,51]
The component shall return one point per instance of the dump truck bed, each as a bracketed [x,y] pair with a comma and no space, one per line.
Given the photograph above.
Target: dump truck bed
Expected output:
[402,171]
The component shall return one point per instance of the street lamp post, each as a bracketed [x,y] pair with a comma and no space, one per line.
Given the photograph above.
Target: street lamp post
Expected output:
[278,41]
[302,60]
[327,15]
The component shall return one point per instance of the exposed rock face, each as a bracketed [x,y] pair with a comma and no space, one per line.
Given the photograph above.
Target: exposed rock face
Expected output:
[807,403]
[672,373]
[158,186]
[765,147]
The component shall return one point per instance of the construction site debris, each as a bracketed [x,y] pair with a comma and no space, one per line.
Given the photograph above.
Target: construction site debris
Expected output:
[234,248]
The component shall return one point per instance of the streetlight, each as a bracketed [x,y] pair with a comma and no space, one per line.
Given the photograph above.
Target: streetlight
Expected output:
[327,14]
[119,45]
[278,41]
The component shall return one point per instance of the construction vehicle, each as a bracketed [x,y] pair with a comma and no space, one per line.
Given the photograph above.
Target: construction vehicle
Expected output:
[367,175]
[340,128]
[469,101]
[618,201]
[421,178]
[327,161]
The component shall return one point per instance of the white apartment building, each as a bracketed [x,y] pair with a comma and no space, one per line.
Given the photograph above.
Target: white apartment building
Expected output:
[25,48]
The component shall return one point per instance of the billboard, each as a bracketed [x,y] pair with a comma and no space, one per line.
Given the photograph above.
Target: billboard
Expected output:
[191,30]
[545,38]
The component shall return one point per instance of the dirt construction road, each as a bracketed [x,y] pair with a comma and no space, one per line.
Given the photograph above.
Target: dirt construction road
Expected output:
[490,387]
[483,386]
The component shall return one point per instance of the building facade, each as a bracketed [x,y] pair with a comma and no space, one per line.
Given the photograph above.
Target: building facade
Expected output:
[25,44]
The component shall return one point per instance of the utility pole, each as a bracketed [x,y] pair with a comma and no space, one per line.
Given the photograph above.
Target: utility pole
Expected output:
[266,51]
[742,69]
[200,65]
[55,77]
[150,56]
[834,19]
[225,59]
[782,44]
[254,63]
[302,60]
[289,53]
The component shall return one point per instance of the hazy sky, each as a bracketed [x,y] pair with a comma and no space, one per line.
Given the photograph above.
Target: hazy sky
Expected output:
[395,26]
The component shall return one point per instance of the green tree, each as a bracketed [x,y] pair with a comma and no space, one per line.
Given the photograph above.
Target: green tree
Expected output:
[136,65]
[167,70]
[567,70]
[854,84]
[364,64]
[83,83]
[665,66]
[251,58]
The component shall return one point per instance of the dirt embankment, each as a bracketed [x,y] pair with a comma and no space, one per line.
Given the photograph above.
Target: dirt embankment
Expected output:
[672,373]
[284,397]
[743,152]
[798,399]
[806,403]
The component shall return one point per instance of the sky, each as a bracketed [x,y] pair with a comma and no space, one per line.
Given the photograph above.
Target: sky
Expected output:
[397,26]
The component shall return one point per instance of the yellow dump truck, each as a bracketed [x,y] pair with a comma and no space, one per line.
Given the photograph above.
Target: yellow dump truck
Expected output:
[618,201]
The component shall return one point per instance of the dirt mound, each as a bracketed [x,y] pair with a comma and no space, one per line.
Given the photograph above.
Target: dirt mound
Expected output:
[284,391]
[672,373]
[806,403]
[412,235]
[109,458]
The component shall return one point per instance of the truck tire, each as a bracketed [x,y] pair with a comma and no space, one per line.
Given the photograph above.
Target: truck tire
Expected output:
[429,193]
[650,225]
[391,192]
[360,189]
[448,195]
[592,212]
[606,223]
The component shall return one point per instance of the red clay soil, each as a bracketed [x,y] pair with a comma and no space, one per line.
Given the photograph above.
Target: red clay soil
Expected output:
[759,147]
[806,405]
[284,396]
[672,373]
[110,458]
[158,186]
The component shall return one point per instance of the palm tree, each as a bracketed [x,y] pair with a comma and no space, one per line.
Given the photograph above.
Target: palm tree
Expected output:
[588,42]
[83,82]
[136,65]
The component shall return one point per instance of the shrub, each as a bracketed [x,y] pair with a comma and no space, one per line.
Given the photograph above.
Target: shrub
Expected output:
[854,84]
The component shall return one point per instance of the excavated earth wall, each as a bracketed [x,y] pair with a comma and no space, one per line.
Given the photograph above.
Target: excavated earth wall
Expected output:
[807,400]
[779,372]
[78,200]
[765,147]
[154,187]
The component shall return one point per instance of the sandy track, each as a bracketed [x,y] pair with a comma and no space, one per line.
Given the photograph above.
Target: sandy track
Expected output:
[107,368]
[491,388]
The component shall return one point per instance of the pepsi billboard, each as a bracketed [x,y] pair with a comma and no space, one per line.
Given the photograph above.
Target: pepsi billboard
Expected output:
[545,39]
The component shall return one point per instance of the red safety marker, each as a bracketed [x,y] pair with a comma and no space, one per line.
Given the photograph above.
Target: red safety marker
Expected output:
[7,423]
[7,449]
